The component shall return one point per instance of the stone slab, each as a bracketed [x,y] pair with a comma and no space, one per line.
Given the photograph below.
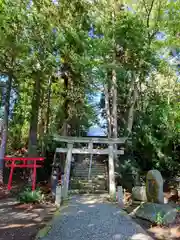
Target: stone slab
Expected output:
[150,211]
[139,193]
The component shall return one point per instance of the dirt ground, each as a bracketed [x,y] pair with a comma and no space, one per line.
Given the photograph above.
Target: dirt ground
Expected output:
[22,221]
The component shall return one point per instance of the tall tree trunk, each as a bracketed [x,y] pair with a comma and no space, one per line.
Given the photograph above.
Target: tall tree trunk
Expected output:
[114,105]
[112,97]
[64,129]
[32,146]
[132,102]
[114,114]
[41,127]
[114,77]
[5,126]
[131,111]
[42,114]
[114,86]
[107,107]
[48,105]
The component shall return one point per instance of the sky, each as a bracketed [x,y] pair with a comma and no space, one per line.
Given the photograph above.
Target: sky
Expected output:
[97,130]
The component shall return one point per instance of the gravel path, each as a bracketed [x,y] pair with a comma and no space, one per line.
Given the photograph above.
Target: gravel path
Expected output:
[90,218]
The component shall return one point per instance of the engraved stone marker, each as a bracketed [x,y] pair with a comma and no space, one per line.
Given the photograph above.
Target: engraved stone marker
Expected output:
[154,187]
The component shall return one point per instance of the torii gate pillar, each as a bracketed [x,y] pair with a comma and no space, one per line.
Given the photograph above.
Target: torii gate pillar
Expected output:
[112,186]
[67,171]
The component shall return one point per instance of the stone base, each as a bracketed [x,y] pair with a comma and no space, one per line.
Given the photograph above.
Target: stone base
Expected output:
[139,193]
[156,213]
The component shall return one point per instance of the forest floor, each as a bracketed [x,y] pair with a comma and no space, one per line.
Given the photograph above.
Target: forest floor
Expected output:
[171,232]
[22,221]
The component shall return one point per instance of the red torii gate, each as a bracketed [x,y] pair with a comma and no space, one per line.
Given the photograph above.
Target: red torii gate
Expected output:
[24,164]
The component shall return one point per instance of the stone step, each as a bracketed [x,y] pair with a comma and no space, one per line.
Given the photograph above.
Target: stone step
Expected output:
[92,183]
[87,162]
[87,171]
[98,170]
[92,178]
[86,174]
[97,176]
[93,166]
[84,184]
[87,167]
[89,182]
[92,175]
[92,169]
[92,172]
[98,191]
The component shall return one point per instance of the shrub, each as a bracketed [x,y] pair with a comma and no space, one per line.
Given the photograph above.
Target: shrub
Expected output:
[159,218]
[29,196]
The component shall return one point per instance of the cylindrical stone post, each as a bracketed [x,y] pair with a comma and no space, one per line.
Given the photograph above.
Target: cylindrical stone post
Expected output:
[54,182]
[58,195]
[112,186]
[120,196]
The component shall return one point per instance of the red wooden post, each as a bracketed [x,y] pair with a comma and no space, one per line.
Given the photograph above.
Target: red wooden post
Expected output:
[25,164]
[34,176]
[11,175]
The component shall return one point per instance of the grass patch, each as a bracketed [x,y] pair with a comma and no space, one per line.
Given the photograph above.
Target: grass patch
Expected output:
[29,196]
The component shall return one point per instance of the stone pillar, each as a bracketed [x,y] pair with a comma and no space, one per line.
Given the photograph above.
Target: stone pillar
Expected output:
[54,177]
[54,181]
[112,186]
[90,146]
[120,196]
[58,195]
[67,170]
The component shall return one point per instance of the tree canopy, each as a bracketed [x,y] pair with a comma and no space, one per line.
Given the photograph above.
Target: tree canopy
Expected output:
[56,55]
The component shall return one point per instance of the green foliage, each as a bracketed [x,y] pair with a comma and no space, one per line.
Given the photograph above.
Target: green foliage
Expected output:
[156,135]
[29,196]
[38,40]
[159,218]
[47,50]
[154,140]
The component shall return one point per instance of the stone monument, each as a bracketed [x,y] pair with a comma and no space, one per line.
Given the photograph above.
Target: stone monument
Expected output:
[155,206]
[154,187]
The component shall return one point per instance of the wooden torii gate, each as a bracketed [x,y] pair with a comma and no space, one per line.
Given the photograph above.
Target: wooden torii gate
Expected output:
[89,150]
